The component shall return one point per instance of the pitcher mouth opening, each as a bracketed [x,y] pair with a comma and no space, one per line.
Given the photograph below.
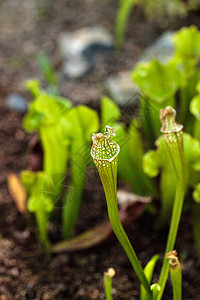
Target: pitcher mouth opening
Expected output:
[103,148]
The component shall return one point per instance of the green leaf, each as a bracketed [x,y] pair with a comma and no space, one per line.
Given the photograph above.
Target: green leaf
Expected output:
[33,204]
[196,193]
[38,186]
[27,178]
[77,127]
[110,112]
[187,43]
[33,86]
[155,160]
[191,153]
[130,158]
[46,110]
[42,112]
[148,270]
[195,107]
[45,115]
[159,82]
[80,120]
[33,120]
[46,105]
[151,163]
[47,69]
[123,13]
[88,120]
[198,87]
[63,103]
[159,161]
[136,147]
[39,200]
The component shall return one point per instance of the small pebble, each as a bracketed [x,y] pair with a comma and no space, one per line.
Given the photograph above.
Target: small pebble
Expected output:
[16,103]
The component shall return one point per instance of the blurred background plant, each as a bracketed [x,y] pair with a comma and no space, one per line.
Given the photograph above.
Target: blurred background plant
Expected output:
[175,83]
[65,132]
[48,73]
[105,154]
[159,11]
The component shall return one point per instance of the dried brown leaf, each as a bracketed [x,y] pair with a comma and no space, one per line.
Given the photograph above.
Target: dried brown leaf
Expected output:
[17,192]
[130,208]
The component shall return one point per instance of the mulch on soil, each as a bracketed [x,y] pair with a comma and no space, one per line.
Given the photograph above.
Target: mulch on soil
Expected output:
[24,274]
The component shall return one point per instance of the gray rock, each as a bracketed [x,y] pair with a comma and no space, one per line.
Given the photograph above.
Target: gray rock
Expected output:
[122,89]
[162,49]
[16,103]
[75,43]
[79,49]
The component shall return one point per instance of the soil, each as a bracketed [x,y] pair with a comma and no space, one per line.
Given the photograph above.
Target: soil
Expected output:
[25,31]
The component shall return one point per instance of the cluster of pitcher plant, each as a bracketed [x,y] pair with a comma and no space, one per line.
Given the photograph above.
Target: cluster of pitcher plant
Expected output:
[169,172]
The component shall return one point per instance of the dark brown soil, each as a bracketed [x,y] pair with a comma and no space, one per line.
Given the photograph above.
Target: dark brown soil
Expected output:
[24,274]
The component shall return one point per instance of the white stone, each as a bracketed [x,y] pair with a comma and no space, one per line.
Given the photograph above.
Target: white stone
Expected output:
[74,43]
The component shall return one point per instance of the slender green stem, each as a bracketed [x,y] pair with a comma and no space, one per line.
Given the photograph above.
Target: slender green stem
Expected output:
[148,270]
[175,274]
[124,241]
[155,290]
[108,288]
[42,221]
[105,154]
[176,215]
[72,203]
[174,139]
[123,13]
[176,278]
[113,213]
[108,283]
